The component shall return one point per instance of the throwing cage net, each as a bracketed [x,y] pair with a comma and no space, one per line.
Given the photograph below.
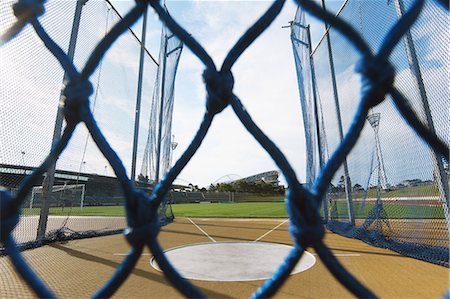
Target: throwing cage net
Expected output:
[389,196]
[158,148]
[303,202]
[30,73]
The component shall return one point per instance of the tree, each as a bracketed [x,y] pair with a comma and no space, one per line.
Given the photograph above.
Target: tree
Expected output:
[142,178]
[341,184]
[212,188]
[358,187]
[263,187]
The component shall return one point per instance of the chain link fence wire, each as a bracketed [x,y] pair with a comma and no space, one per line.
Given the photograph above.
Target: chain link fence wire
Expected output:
[303,203]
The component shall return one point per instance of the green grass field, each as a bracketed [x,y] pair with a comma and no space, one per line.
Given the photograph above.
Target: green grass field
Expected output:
[261,209]
[411,191]
[250,210]
[255,210]
[278,210]
[110,211]
[257,198]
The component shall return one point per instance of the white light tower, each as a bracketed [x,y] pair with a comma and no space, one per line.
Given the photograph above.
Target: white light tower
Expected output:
[374,120]
[173,146]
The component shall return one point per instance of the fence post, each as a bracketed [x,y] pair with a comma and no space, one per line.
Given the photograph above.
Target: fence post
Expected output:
[348,183]
[47,184]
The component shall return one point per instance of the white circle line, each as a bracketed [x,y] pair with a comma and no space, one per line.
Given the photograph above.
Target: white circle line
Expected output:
[232,261]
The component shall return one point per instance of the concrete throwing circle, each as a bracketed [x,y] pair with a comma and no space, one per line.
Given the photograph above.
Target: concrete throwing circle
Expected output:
[232,261]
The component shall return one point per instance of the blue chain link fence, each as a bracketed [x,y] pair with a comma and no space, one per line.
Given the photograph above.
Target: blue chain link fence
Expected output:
[306,226]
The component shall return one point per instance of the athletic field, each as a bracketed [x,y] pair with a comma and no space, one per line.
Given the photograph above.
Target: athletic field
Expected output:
[388,274]
[397,209]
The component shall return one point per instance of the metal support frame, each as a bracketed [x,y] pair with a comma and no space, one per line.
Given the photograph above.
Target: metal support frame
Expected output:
[138,97]
[348,184]
[439,170]
[49,180]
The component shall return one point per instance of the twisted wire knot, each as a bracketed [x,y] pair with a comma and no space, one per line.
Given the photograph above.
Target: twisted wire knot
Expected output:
[307,235]
[305,231]
[8,216]
[378,76]
[76,99]
[143,221]
[28,8]
[219,87]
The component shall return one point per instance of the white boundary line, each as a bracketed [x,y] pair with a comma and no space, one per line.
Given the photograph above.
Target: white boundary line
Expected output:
[346,254]
[271,230]
[243,219]
[127,254]
[200,229]
[343,254]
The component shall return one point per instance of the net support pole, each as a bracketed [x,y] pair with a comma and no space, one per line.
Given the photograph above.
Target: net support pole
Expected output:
[31,199]
[348,184]
[439,170]
[138,97]
[161,108]
[47,185]
[316,116]
[82,196]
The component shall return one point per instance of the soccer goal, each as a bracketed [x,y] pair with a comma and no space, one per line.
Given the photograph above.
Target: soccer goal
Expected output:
[62,196]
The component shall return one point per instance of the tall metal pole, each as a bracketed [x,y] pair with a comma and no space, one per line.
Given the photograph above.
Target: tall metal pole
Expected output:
[49,180]
[161,106]
[439,171]
[348,184]
[316,116]
[138,98]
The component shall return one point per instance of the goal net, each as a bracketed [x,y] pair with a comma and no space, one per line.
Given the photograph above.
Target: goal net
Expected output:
[61,196]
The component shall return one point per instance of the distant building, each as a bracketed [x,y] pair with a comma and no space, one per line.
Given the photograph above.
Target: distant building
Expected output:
[266,177]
